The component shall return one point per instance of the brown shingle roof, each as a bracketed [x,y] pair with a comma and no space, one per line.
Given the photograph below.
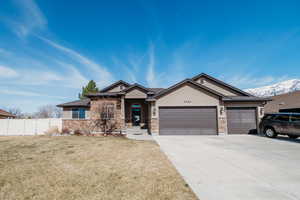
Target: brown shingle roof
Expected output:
[80,103]
[156,90]
[245,98]
[6,114]
[283,101]
[103,94]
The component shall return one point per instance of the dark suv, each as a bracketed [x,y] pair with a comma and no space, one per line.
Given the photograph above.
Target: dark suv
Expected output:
[281,123]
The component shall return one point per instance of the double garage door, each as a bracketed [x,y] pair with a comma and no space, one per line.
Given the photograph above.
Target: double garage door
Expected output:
[187,121]
[203,120]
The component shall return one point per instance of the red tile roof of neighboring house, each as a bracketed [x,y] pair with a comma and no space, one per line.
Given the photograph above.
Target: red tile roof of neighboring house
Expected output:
[6,114]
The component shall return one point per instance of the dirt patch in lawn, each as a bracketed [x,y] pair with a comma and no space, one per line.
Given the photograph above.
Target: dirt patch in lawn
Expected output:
[90,168]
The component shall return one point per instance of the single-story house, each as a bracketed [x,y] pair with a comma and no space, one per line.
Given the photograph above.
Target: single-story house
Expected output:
[6,115]
[202,105]
[289,102]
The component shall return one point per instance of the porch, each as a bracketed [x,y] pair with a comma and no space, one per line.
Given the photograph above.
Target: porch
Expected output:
[135,115]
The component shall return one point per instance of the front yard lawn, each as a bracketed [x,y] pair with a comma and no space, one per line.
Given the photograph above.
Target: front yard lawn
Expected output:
[78,167]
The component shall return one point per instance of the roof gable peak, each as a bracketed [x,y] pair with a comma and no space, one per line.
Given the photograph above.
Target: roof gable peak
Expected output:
[221,83]
[177,85]
[114,85]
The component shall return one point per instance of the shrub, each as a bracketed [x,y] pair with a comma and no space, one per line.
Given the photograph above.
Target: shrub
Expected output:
[78,132]
[65,131]
[52,131]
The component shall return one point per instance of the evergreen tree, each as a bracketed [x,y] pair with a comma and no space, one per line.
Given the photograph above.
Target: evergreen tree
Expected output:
[91,87]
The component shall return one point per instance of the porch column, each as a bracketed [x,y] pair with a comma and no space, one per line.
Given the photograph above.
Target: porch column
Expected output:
[123,111]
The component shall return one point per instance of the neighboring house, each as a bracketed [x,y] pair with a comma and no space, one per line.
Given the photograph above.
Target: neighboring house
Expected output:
[6,115]
[201,105]
[289,102]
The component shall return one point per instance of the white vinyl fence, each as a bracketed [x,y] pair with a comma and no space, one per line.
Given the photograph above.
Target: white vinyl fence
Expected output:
[28,126]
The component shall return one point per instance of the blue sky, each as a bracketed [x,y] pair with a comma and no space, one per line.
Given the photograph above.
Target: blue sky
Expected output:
[50,48]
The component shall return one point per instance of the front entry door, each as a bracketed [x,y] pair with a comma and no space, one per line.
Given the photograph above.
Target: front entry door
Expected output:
[136,114]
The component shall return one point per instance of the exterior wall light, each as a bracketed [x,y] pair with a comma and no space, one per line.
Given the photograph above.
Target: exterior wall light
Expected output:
[262,111]
[222,110]
[153,109]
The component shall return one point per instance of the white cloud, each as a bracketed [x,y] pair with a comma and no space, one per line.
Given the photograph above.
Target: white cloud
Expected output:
[105,77]
[131,72]
[30,18]
[6,72]
[150,77]
[74,78]
[37,77]
[26,93]
[248,80]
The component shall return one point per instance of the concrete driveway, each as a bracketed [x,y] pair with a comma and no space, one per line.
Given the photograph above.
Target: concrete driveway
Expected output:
[238,167]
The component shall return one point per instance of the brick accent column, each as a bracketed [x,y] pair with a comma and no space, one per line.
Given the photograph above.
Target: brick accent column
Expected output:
[123,125]
[154,124]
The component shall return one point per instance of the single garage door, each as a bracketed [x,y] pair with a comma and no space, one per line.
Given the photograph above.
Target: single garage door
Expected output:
[187,121]
[241,120]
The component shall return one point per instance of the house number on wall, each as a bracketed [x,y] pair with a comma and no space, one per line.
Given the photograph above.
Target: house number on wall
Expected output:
[187,101]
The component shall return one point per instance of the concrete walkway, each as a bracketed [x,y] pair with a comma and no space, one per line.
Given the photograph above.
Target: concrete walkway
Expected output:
[139,137]
[240,167]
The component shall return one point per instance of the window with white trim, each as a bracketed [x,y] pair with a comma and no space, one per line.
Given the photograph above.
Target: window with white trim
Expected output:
[78,113]
[108,111]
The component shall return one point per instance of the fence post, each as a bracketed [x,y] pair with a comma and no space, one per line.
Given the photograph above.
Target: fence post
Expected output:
[7,126]
[24,127]
[35,127]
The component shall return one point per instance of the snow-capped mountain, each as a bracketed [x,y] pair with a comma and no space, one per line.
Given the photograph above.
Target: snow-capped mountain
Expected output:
[276,89]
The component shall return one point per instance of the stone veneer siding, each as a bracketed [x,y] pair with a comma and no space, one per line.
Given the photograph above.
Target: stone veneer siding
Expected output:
[97,103]
[75,124]
[153,126]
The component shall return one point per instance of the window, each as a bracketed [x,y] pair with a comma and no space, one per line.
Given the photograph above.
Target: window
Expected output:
[284,118]
[108,111]
[78,113]
[268,117]
[295,118]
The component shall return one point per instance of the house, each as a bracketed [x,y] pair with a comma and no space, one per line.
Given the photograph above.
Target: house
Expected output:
[202,105]
[6,115]
[289,102]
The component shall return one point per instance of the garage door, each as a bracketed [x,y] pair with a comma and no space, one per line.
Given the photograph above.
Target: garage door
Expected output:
[241,120]
[187,121]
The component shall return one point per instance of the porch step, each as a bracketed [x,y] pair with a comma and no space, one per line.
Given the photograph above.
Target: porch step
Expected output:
[136,131]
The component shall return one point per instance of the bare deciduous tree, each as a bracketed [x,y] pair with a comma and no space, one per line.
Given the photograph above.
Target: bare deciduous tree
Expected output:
[104,118]
[48,111]
[16,111]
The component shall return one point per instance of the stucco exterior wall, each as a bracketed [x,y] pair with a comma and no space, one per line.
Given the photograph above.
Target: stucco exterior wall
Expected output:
[188,95]
[135,94]
[117,88]
[217,87]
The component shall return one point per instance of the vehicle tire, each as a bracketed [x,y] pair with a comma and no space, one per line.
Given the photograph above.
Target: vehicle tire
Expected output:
[270,132]
[293,136]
